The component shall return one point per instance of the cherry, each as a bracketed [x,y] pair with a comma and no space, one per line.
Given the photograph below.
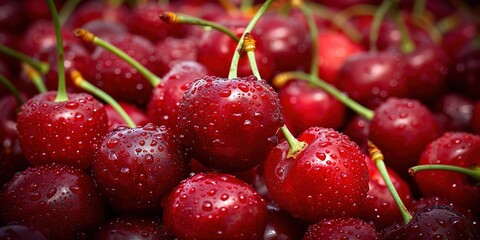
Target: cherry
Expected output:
[465,73]
[402,128]
[59,200]
[453,148]
[370,78]
[229,124]
[144,160]
[38,10]
[41,35]
[12,158]
[214,206]
[172,50]
[329,178]
[115,119]
[13,17]
[21,232]
[455,39]
[342,228]
[65,132]
[98,11]
[475,122]
[358,128]
[281,225]
[454,112]
[132,228]
[305,106]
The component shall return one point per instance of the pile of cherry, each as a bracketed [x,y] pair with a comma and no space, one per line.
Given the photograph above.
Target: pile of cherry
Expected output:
[210,157]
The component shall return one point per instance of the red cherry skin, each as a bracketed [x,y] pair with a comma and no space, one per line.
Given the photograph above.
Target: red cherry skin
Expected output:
[454,112]
[281,225]
[214,206]
[66,132]
[342,228]
[464,76]
[143,160]
[229,124]
[171,50]
[125,228]
[59,200]
[97,11]
[41,35]
[329,178]
[115,120]
[475,122]
[401,129]
[357,129]
[452,148]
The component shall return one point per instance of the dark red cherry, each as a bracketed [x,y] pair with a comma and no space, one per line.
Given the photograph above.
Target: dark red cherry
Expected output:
[281,225]
[142,160]
[41,35]
[453,148]
[115,120]
[465,73]
[342,228]
[59,200]
[21,232]
[370,78]
[402,128]
[13,16]
[229,124]
[456,38]
[124,228]
[214,206]
[475,122]
[66,132]
[38,10]
[98,11]
[329,178]
[305,106]
[454,112]
[172,50]
[358,128]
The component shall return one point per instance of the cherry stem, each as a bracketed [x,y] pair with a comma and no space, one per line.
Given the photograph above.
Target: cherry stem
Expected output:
[41,67]
[173,18]
[67,10]
[34,76]
[248,29]
[62,88]
[377,21]
[313,37]
[296,147]
[419,8]
[12,89]
[473,172]
[246,5]
[79,81]
[340,96]
[407,45]
[377,158]
[249,47]
[87,36]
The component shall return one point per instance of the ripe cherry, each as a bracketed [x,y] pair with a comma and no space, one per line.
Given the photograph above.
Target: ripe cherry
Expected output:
[139,228]
[115,119]
[475,122]
[454,112]
[342,228]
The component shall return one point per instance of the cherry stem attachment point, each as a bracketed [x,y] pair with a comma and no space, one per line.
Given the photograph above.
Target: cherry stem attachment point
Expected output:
[174,18]
[41,67]
[34,76]
[12,89]
[473,172]
[377,21]
[80,82]
[296,147]
[377,158]
[249,47]
[87,36]
[236,55]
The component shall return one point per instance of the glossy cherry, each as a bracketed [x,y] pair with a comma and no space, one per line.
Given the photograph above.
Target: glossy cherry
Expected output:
[171,50]
[61,201]
[281,225]
[214,206]
[138,228]
[454,112]
[98,11]
[342,228]
[329,178]
[358,128]
[41,35]
[475,122]
[465,73]
[143,160]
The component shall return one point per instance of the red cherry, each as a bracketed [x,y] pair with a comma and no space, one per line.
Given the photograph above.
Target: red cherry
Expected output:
[458,149]
[454,112]
[329,178]
[172,50]
[41,35]
[98,11]
[20,232]
[229,124]
[281,225]
[115,120]
[214,206]
[143,160]
[132,228]
[358,128]
[59,200]
[465,73]
[66,132]
[475,122]
[342,228]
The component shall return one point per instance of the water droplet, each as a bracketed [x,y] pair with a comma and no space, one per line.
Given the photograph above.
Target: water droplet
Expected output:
[207,206]
[72,105]
[225,93]
[112,142]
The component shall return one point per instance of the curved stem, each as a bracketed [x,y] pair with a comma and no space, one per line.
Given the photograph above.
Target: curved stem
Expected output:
[87,36]
[79,81]
[407,45]
[313,37]
[377,158]
[236,55]
[41,67]
[473,172]
[34,76]
[377,21]
[12,89]
[296,147]
[62,87]
[67,10]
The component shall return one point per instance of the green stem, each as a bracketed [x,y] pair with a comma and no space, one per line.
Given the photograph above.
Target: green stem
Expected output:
[248,29]
[67,10]
[296,147]
[62,88]
[377,21]
[249,47]
[85,85]
[340,96]
[473,172]
[377,158]
[41,67]
[34,76]
[419,8]
[407,45]
[246,5]
[12,89]
[313,37]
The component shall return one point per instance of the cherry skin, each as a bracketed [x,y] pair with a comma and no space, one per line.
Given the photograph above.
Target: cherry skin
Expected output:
[115,120]
[453,148]
[41,35]
[172,50]
[454,112]
[61,201]
[281,225]
[464,76]
[329,178]
[305,106]
[370,78]
[229,124]
[214,206]
[358,128]
[20,232]
[124,228]
[342,228]
[402,128]
[66,132]
[143,160]
[475,122]
[98,11]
